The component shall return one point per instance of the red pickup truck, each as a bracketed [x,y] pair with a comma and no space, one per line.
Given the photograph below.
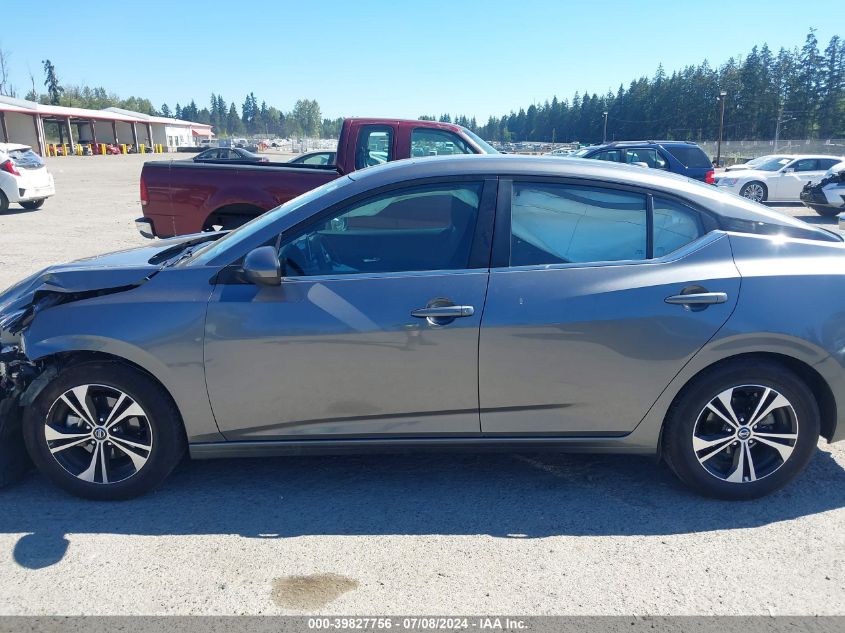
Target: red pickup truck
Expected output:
[183,197]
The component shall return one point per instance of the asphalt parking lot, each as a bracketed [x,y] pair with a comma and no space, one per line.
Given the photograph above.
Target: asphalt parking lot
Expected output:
[416,534]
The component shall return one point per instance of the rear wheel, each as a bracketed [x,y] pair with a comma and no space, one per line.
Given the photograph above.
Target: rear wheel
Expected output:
[755,191]
[104,431]
[742,431]
[33,204]
[4,202]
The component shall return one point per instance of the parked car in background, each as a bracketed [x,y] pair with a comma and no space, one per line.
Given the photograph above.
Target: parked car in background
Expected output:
[182,197]
[678,157]
[315,158]
[561,151]
[24,178]
[827,196]
[518,303]
[222,154]
[780,179]
[751,164]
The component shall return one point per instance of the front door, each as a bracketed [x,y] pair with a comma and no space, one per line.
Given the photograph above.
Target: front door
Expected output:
[374,330]
[588,316]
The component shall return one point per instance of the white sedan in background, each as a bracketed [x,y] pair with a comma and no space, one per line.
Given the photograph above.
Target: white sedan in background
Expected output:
[780,179]
[23,177]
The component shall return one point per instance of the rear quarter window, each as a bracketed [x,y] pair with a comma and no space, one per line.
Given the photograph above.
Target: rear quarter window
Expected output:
[689,155]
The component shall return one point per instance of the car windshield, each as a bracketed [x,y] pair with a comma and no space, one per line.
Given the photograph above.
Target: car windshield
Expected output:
[760,160]
[26,158]
[484,145]
[208,252]
[582,152]
[774,164]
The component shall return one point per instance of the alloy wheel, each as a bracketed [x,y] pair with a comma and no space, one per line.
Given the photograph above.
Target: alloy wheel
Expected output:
[745,433]
[98,434]
[753,191]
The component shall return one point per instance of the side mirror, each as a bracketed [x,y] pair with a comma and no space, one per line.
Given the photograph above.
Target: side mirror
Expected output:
[262,267]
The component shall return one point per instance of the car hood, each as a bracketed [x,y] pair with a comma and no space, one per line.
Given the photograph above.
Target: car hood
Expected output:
[83,278]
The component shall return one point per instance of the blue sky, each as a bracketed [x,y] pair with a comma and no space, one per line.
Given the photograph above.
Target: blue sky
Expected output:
[389,58]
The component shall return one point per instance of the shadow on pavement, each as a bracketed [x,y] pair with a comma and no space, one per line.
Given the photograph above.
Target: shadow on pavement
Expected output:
[503,495]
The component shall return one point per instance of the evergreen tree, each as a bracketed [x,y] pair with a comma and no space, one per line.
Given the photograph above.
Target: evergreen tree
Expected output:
[54,89]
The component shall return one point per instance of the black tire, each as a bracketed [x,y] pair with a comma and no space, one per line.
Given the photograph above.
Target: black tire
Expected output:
[4,202]
[827,212]
[161,415]
[681,421]
[745,190]
[33,204]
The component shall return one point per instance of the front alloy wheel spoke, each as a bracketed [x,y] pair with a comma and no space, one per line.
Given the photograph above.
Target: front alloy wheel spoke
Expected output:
[138,459]
[784,449]
[751,473]
[778,403]
[699,445]
[737,475]
[90,473]
[134,410]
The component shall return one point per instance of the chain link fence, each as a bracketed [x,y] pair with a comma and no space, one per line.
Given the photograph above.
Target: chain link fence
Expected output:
[741,151]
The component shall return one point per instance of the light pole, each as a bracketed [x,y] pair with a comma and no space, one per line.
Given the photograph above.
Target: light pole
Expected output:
[604,135]
[722,96]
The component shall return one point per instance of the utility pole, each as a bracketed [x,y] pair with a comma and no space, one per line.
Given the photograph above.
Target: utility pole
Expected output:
[722,96]
[778,125]
[604,135]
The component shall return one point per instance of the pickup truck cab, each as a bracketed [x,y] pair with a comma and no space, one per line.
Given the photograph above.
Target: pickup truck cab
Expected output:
[184,197]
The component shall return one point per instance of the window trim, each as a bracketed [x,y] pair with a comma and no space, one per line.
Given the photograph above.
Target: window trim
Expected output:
[501,256]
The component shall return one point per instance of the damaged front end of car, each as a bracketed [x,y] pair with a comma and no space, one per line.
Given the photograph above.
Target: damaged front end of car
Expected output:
[826,197]
[21,378]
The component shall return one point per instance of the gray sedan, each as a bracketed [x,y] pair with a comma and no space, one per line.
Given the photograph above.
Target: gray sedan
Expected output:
[483,302]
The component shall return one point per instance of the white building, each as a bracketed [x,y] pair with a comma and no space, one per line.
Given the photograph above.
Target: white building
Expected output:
[23,121]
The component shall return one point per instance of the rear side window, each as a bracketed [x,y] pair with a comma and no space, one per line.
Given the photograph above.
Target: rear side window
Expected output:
[651,157]
[689,155]
[26,159]
[560,224]
[613,155]
[375,146]
[827,163]
[675,225]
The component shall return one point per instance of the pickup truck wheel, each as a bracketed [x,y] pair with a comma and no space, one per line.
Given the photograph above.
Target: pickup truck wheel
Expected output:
[33,204]
[104,430]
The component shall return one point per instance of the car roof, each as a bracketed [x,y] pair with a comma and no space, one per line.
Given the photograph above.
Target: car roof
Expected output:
[11,147]
[706,196]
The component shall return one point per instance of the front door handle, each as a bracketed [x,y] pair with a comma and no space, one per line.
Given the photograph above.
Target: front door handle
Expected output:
[698,298]
[443,312]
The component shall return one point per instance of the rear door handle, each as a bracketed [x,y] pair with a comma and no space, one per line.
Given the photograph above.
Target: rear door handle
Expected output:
[698,298]
[443,312]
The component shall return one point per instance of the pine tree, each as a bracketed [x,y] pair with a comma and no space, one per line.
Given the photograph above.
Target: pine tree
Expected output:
[54,89]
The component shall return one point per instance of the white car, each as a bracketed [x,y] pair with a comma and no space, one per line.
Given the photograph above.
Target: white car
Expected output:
[24,178]
[780,179]
[827,196]
[560,151]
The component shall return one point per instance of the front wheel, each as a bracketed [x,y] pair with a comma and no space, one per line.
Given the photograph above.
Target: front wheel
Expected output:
[742,430]
[755,191]
[104,430]
[33,204]
[825,211]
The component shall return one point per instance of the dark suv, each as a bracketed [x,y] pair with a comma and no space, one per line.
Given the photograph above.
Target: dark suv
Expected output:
[679,157]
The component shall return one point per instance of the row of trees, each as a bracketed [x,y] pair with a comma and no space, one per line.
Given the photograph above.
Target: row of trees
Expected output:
[803,89]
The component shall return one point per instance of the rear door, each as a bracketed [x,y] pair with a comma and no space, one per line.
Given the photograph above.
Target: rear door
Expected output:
[585,324]
[803,170]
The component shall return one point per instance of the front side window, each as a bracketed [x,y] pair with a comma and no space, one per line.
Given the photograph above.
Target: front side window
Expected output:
[428,227]
[560,224]
[375,146]
[428,142]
